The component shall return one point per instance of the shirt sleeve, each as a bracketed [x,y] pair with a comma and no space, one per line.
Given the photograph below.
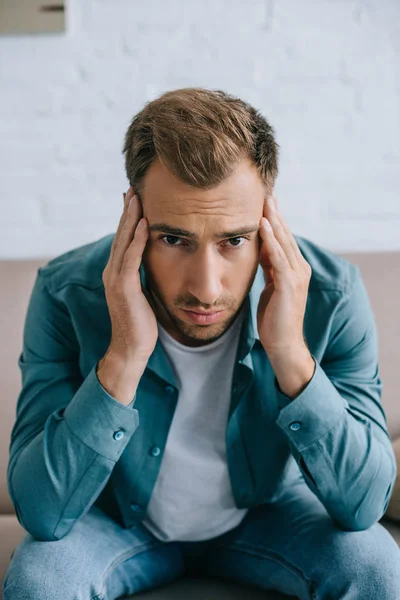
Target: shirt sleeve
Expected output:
[68,432]
[336,427]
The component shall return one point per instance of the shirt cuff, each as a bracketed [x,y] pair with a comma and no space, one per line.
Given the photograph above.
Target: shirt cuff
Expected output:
[315,411]
[99,420]
[284,400]
[133,401]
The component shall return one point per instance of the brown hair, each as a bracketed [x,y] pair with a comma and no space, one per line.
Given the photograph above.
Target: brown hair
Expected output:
[200,135]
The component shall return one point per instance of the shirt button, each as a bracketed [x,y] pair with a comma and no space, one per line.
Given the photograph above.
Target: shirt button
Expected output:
[136,507]
[118,435]
[295,426]
[169,389]
[155,451]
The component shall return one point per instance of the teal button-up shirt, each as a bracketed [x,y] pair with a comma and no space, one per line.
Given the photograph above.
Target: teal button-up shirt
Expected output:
[73,444]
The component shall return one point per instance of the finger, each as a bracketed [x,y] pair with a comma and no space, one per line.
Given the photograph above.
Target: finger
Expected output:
[126,230]
[291,237]
[126,198]
[265,261]
[276,256]
[134,254]
[281,233]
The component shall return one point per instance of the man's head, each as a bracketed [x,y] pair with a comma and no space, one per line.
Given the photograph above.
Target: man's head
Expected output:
[202,162]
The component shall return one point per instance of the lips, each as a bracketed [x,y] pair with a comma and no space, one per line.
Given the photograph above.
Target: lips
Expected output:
[203,318]
[198,312]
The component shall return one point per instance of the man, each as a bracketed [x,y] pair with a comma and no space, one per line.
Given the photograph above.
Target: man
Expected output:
[201,390]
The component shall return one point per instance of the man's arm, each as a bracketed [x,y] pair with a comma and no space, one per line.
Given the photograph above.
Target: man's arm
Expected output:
[336,425]
[62,448]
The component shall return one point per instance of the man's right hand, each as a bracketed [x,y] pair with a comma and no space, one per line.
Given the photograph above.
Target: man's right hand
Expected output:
[133,322]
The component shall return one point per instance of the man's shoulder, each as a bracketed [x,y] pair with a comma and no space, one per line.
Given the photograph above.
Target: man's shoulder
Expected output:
[82,266]
[330,271]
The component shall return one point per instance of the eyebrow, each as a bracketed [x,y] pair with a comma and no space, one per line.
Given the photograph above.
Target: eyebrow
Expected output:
[184,233]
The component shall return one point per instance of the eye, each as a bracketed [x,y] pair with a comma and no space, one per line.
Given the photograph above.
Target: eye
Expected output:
[170,237]
[237,238]
[167,238]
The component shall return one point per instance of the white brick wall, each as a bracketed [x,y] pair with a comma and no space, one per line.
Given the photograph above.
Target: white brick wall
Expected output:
[324,72]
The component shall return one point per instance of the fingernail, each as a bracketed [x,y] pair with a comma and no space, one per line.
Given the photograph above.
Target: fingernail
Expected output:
[271,201]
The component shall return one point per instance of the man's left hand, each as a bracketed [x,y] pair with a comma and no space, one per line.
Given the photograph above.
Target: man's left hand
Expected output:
[280,314]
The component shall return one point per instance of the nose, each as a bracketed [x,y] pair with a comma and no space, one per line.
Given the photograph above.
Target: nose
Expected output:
[205,278]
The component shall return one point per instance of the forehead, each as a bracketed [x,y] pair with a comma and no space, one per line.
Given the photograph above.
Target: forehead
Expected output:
[242,192]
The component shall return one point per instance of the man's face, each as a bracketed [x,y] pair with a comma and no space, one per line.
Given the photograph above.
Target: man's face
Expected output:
[206,268]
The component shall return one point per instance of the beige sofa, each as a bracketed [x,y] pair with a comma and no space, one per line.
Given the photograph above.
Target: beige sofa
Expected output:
[381,274]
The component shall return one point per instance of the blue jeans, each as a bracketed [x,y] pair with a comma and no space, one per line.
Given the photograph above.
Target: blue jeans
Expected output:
[291,545]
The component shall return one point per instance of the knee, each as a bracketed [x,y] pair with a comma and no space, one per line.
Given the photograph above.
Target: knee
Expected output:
[29,585]
[377,579]
[44,585]
[44,571]
[365,562]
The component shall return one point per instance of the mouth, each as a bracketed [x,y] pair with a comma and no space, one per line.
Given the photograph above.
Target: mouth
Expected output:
[204,318]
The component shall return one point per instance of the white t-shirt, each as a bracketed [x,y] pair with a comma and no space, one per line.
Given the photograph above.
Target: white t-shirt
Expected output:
[192,498]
